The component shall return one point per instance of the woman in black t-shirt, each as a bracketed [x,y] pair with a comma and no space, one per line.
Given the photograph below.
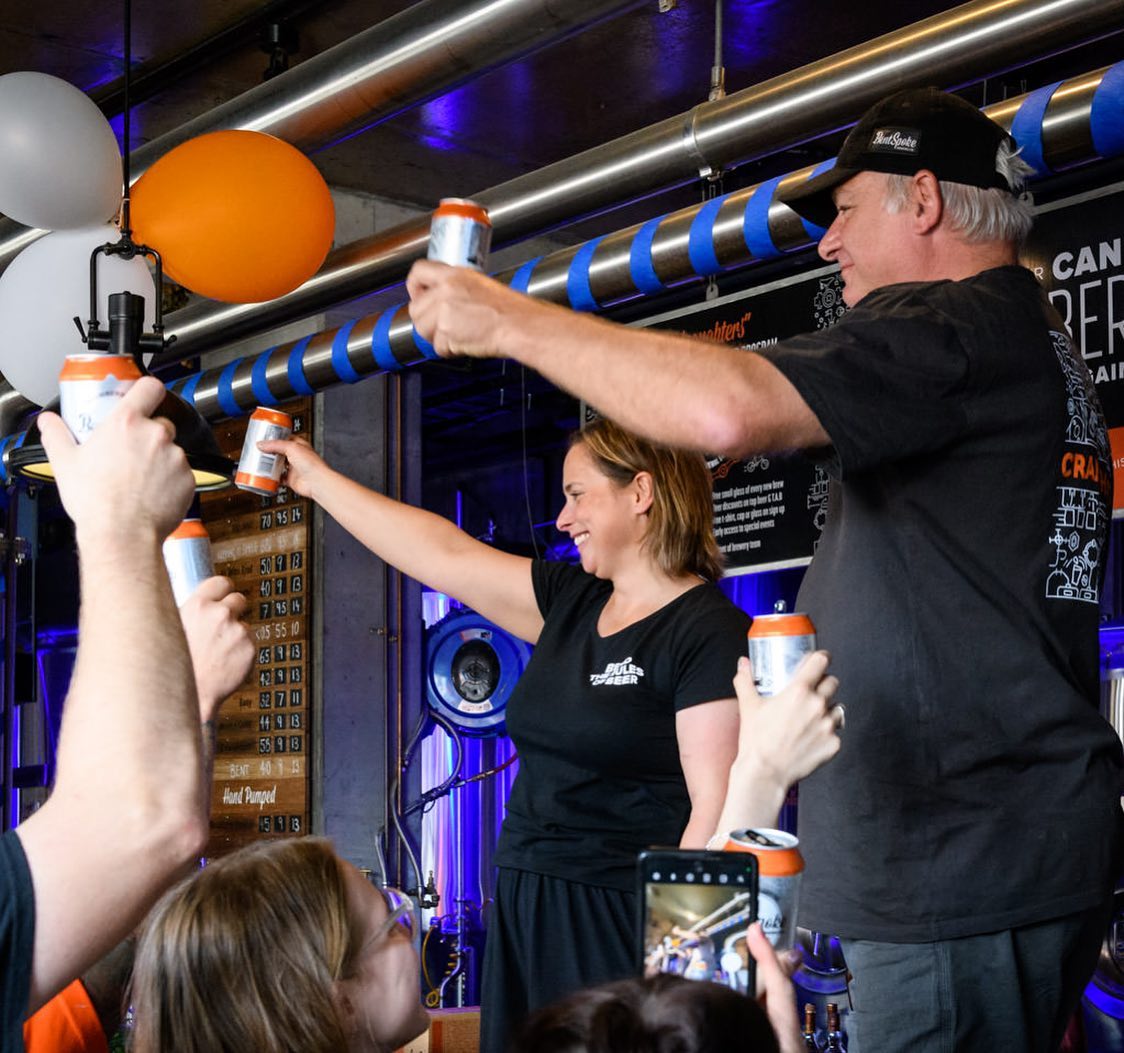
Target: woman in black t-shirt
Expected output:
[625,719]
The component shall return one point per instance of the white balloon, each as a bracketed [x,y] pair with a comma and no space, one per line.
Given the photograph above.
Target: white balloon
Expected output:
[42,290]
[60,167]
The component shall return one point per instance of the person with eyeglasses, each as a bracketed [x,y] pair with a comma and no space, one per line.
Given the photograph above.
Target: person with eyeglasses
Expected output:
[279,946]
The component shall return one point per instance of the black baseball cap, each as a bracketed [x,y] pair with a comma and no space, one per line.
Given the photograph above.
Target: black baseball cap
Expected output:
[904,133]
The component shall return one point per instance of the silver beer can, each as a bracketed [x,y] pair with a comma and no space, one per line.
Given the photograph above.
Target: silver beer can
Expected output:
[187,555]
[90,386]
[260,472]
[460,234]
[777,645]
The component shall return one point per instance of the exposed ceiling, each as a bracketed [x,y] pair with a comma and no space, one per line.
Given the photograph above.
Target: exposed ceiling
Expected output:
[623,74]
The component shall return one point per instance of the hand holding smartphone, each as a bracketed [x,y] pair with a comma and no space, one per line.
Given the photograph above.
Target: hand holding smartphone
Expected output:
[695,907]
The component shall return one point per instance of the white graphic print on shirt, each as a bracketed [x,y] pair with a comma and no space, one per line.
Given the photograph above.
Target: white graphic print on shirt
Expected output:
[1081,519]
[617,673]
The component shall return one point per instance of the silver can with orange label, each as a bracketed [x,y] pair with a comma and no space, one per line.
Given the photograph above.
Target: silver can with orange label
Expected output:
[90,386]
[777,645]
[187,555]
[780,868]
[460,234]
[258,471]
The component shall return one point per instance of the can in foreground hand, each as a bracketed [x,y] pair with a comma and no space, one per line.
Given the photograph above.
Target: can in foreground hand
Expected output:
[258,471]
[460,234]
[90,386]
[187,555]
[777,644]
[780,866]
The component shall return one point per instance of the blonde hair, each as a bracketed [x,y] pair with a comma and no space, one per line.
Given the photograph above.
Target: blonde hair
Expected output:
[680,535]
[244,956]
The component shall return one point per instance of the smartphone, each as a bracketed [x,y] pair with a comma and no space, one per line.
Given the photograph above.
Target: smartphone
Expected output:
[695,908]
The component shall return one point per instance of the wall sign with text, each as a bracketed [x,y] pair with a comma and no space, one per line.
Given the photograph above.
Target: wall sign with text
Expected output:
[261,777]
[769,511]
[1077,252]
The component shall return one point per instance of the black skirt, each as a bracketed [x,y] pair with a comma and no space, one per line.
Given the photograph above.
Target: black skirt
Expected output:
[547,938]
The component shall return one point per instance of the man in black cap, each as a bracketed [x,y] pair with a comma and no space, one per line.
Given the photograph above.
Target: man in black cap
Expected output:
[965,841]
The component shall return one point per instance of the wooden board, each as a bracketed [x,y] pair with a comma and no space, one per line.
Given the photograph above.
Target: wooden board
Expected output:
[261,779]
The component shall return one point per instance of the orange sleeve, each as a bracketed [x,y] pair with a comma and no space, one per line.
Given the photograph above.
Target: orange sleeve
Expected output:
[67,1023]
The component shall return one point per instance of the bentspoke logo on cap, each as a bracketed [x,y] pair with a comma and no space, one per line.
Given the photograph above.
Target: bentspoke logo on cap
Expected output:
[895,141]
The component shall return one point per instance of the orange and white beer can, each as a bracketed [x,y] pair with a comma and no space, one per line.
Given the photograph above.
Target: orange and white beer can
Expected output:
[777,645]
[460,234]
[90,385]
[780,867]
[187,555]
[258,471]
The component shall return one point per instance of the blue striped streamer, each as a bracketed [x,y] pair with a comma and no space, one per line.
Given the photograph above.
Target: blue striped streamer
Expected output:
[187,392]
[1026,128]
[700,239]
[1106,120]
[294,368]
[340,362]
[521,279]
[262,395]
[577,280]
[640,266]
[380,341]
[814,230]
[225,393]
[755,225]
[424,346]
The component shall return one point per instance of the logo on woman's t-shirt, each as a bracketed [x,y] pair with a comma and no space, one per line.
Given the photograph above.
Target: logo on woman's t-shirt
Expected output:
[617,673]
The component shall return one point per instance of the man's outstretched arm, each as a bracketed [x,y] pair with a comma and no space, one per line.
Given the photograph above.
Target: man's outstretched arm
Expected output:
[670,388]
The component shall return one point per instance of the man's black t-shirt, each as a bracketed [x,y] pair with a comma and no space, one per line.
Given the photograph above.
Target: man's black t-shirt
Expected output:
[956,586]
[593,719]
[17,932]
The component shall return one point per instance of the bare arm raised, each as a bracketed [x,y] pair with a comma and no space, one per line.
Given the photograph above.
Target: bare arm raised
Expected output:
[780,740]
[419,543]
[126,812]
[724,401]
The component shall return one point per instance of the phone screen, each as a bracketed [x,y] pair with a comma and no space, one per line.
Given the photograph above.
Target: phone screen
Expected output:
[695,908]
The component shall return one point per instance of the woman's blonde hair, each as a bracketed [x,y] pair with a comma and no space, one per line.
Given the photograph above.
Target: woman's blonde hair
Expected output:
[680,536]
[244,956]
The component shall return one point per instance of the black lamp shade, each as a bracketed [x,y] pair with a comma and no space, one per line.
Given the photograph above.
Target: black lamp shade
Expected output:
[212,470]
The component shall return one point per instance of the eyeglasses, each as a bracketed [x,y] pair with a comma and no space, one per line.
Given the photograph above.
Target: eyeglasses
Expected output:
[400,913]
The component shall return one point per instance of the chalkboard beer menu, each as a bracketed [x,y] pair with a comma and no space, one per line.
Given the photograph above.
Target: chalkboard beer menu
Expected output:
[261,778]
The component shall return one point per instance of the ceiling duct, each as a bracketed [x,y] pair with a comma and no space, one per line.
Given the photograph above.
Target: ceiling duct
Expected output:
[418,54]
[1060,127]
[951,48]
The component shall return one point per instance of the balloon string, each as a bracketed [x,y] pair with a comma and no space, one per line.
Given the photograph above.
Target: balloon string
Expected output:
[125,231]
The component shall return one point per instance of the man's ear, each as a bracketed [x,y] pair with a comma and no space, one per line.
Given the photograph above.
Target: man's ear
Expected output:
[643,489]
[926,202]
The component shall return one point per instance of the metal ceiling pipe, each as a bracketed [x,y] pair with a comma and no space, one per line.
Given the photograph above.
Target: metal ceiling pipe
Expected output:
[416,55]
[951,47]
[1068,124]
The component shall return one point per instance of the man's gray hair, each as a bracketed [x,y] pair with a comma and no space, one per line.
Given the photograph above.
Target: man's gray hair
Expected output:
[980,213]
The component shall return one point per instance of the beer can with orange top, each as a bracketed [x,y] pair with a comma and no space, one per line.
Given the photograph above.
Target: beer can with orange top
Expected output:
[780,866]
[258,471]
[90,385]
[460,234]
[187,555]
[777,644]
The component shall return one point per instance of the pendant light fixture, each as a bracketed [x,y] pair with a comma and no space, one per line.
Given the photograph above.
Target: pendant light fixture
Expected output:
[125,335]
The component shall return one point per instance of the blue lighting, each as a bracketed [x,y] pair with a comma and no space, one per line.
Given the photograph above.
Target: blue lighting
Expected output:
[1106,1003]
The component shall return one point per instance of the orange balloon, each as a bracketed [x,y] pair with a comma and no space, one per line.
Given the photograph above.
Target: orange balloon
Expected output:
[237,216]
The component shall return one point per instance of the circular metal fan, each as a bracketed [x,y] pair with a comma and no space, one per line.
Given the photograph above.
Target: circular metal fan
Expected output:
[471,668]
